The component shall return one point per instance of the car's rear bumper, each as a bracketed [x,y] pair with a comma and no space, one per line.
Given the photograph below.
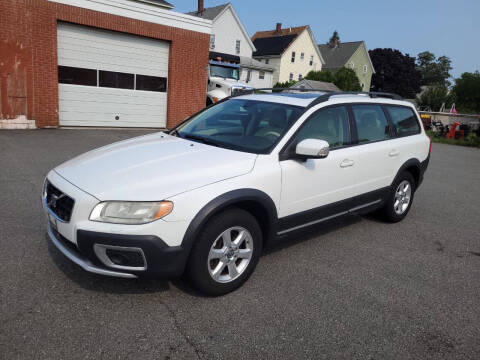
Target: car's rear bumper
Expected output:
[423,169]
[160,260]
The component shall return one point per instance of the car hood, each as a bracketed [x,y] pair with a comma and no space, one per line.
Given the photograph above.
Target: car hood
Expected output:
[152,167]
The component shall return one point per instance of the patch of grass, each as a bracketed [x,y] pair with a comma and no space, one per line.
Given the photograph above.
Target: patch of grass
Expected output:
[471,140]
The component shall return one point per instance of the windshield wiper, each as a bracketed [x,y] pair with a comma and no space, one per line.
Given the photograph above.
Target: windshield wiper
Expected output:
[198,138]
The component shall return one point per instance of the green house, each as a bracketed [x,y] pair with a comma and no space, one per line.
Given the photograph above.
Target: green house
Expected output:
[353,55]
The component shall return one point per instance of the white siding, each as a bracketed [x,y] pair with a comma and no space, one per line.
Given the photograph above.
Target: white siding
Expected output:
[145,12]
[303,43]
[255,80]
[85,47]
[227,30]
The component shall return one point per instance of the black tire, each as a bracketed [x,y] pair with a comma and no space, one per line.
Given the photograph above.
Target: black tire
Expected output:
[388,211]
[197,267]
[209,102]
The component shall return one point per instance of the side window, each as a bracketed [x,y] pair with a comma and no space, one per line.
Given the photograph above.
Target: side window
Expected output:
[330,124]
[372,125]
[404,120]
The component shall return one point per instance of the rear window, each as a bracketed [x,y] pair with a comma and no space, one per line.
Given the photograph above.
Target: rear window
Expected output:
[404,120]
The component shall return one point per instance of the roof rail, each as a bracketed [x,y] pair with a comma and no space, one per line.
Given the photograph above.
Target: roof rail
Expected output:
[371,94]
[240,92]
[327,94]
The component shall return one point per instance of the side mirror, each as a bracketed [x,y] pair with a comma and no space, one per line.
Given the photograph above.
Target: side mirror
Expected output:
[312,149]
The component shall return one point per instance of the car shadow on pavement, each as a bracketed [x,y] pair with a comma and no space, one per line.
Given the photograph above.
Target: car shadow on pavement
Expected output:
[309,233]
[101,283]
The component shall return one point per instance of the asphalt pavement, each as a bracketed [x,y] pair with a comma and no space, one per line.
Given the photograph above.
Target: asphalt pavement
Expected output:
[356,289]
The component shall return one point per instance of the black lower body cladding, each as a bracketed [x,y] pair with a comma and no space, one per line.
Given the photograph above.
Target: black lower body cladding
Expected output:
[163,261]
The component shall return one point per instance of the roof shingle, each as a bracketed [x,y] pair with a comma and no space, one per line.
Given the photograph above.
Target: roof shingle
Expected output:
[209,13]
[337,57]
[316,85]
[275,45]
[274,33]
[160,3]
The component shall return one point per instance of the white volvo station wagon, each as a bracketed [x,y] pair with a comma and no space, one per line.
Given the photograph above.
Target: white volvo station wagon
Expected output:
[206,197]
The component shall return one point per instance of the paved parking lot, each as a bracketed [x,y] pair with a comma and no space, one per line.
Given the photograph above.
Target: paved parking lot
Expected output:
[359,289]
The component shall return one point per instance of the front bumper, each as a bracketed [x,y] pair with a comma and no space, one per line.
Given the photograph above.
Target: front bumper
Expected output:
[158,245]
[161,260]
[78,259]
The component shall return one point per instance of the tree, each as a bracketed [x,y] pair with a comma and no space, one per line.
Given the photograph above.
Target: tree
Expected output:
[285,84]
[434,71]
[326,76]
[395,72]
[467,92]
[334,40]
[347,80]
[433,98]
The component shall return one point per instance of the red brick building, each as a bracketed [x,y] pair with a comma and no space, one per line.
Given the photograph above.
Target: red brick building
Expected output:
[101,63]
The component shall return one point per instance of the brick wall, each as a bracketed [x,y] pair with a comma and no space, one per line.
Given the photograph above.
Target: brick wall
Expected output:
[28,58]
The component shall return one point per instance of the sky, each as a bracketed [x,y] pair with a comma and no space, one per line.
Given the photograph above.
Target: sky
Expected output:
[443,27]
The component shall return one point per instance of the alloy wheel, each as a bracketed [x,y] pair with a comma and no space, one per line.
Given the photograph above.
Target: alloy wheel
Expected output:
[403,195]
[230,254]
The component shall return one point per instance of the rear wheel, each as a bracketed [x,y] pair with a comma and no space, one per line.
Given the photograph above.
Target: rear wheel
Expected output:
[226,252]
[400,199]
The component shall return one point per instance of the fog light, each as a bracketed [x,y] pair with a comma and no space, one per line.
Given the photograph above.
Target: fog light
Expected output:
[119,257]
[125,258]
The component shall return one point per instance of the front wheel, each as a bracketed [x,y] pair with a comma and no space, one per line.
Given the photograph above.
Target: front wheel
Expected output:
[226,252]
[400,199]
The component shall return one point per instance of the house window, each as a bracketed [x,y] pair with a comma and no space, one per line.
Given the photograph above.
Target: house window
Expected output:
[212,41]
[351,65]
[293,56]
[267,61]
[237,47]
[249,75]
[311,60]
[302,56]
[365,69]
[261,75]
[300,77]
[291,77]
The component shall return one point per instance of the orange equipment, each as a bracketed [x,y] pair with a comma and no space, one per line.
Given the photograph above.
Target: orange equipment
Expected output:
[455,134]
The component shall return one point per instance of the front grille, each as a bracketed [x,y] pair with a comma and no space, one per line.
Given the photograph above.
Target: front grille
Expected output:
[61,204]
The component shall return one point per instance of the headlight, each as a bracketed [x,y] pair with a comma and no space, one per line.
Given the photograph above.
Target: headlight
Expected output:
[129,212]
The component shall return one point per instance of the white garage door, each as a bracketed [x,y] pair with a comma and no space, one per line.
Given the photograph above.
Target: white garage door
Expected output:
[109,78]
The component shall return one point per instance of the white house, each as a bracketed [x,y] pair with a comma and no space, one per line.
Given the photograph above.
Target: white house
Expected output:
[292,52]
[230,42]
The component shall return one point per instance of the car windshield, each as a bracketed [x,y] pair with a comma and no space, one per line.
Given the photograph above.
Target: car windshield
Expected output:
[224,72]
[244,125]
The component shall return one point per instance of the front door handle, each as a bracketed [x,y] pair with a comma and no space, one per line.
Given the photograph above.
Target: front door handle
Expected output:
[346,163]
[394,153]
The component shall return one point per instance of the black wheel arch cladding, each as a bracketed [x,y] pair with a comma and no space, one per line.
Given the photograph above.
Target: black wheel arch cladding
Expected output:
[250,200]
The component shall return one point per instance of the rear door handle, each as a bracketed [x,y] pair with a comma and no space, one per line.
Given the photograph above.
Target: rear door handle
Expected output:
[347,163]
[393,153]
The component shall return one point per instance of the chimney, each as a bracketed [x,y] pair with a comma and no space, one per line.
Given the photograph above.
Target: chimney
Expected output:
[334,43]
[279,28]
[200,6]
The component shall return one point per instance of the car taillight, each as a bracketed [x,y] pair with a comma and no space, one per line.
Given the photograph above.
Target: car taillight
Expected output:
[430,146]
